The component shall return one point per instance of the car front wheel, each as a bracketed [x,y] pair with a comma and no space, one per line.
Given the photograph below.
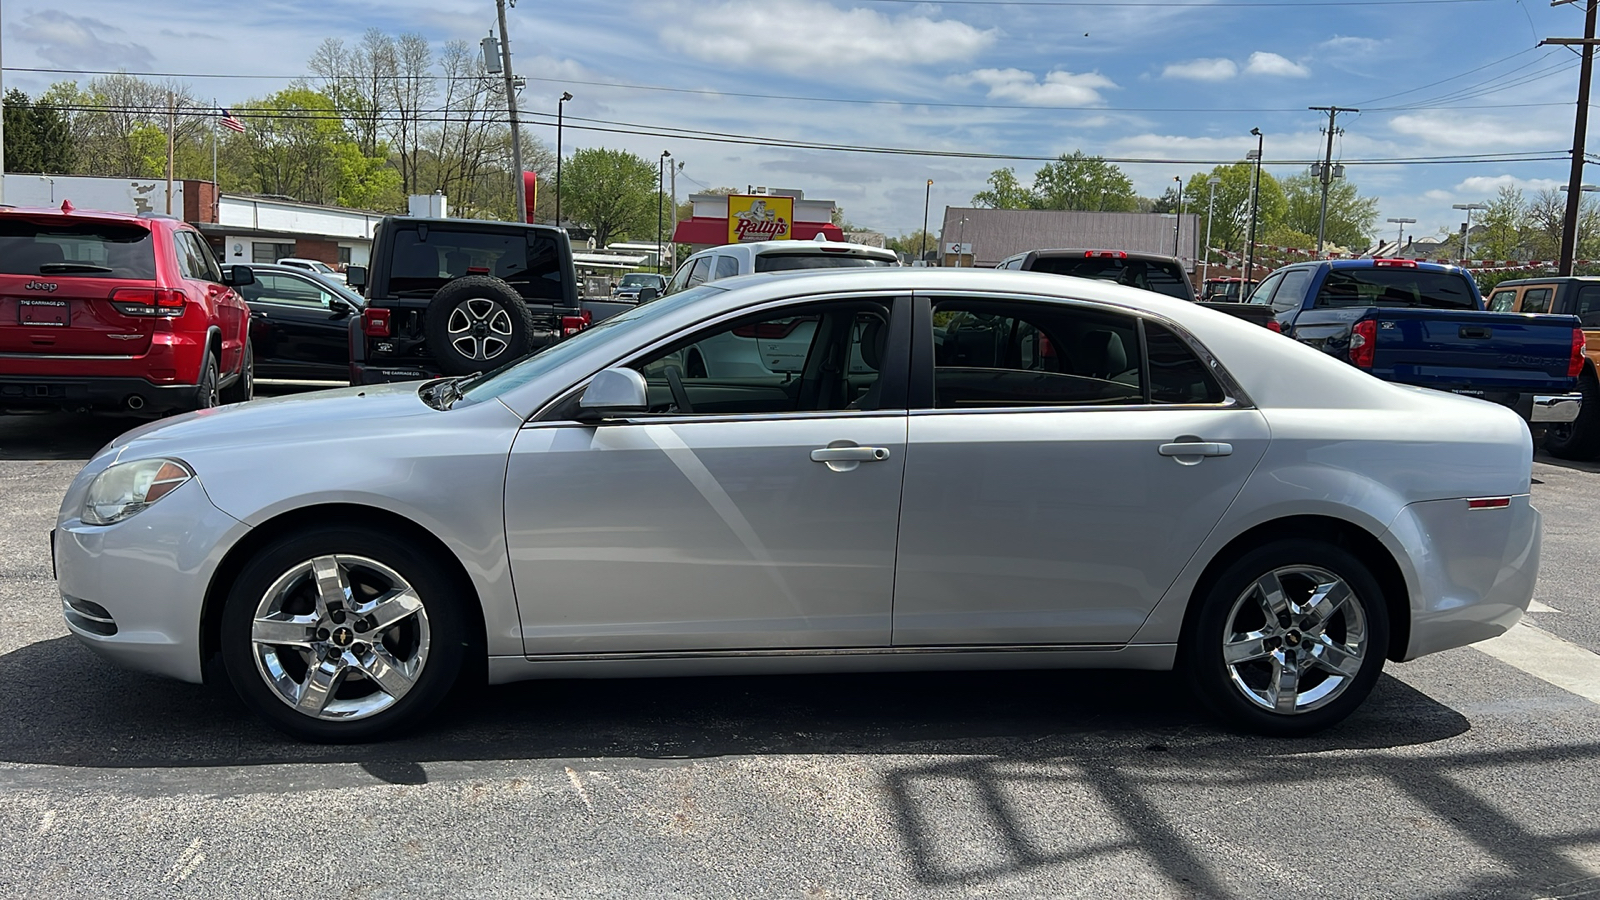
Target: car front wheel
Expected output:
[1289,640]
[339,634]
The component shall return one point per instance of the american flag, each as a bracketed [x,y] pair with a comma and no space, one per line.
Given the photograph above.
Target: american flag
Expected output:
[228,121]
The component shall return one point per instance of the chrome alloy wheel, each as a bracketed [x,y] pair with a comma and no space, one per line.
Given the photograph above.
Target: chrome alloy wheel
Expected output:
[340,637]
[1295,639]
[479,329]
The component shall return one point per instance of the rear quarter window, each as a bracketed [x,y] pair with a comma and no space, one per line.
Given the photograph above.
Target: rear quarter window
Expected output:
[77,249]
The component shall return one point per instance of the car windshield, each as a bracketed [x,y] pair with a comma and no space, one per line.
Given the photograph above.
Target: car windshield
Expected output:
[788,262]
[1151,275]
[516,374]
[1401,286]
[79,249]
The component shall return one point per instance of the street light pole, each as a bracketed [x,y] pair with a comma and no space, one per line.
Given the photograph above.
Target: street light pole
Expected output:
[1177,224]
[1255,190]
[511,108]
[1401,238]
[661,183]
[961,241]
[922,246]
[1211,205]
[1469,207]
[560,107]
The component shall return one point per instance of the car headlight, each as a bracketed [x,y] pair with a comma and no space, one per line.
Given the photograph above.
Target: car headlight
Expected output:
[127,488]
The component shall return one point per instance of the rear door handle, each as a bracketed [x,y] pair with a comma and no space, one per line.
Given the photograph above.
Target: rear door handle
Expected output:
[1195,448]
[850,454]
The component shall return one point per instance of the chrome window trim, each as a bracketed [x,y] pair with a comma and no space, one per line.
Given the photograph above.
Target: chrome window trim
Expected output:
[1234,396]
[1086,408]
[630,357]
[675,419]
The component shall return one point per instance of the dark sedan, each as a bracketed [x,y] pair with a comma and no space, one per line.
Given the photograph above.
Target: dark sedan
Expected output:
[300,326]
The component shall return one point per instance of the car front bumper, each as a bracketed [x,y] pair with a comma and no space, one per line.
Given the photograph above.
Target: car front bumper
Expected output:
[148,576]
[1556,408]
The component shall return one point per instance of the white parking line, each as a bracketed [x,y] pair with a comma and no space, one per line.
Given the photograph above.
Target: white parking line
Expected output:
[1548,658]
[1535,606]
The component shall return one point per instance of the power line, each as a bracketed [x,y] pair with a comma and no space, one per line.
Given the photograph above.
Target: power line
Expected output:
[608,126]
[1176,4]
[1454,77]
[937,104]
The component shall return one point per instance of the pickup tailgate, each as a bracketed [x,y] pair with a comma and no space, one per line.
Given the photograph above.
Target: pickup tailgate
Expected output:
[1475,353]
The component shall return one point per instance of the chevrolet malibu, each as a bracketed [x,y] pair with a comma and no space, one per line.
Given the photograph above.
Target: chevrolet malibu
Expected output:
[963,470]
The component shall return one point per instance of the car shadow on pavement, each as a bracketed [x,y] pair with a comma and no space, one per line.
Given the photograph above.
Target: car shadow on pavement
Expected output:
[110,718]
[1575,464]
[60,435]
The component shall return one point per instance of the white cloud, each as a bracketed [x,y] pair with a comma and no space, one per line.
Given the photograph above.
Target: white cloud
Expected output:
[68,40]
[1453,130]
[1202,70]
[1350,45]
[1264,63]
[1491,184]
[1058,88]
[807,37]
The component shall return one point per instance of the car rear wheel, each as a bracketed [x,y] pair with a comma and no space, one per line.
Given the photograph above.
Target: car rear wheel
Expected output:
[339,634]
[1578,439]
[1289,640]
[206,393]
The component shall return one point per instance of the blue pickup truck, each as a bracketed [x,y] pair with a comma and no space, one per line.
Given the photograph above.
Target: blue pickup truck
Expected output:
[1424,324]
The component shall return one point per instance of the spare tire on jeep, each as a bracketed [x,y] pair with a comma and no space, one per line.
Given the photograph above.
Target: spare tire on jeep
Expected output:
[476,323]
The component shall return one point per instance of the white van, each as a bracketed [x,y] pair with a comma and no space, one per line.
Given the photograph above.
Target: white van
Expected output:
[776,256]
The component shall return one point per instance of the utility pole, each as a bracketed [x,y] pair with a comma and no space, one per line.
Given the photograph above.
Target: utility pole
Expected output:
[171,123]
[3,151]
[1326,174]
[511,107]
[1580,127]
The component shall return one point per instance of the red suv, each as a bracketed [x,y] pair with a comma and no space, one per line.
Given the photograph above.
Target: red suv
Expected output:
[105,310]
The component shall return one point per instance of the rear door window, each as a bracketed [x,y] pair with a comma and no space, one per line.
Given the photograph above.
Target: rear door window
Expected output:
[1397,287]
[1588,306]
[78,249]
[1536,300]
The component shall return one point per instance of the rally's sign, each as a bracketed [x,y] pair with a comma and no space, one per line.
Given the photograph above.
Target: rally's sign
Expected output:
[759,218]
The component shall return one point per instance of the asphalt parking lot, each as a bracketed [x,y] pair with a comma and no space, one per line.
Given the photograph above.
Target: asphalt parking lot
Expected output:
[1469,774]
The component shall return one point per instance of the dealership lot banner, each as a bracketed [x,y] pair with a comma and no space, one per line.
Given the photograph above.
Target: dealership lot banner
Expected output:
[758,218]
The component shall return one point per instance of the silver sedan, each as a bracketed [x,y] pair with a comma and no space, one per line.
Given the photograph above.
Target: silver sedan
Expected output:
[961,470]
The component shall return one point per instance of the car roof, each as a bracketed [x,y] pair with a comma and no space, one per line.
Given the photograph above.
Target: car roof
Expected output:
[1544,279]
[67,210]
[763,248]
[1077,252]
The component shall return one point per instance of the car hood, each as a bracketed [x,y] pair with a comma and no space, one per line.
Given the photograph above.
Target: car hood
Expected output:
[274,419]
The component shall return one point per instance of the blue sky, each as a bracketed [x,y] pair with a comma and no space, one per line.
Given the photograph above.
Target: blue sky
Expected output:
[1144,81]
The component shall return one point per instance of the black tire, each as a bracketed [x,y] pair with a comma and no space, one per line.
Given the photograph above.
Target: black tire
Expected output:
[426,644]
[1231,608]
[477,323]
[1579,439]
[206,394]
[243,388]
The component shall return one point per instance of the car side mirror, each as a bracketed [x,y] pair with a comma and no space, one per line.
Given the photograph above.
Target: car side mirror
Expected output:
[338,307]
[238,276]
[613,393]
[356,276]
[648,294]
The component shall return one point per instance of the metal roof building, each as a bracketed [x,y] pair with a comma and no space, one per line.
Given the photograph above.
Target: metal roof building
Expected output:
[983,237]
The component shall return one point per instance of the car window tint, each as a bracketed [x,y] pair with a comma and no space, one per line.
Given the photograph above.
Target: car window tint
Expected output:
[1588,306]
[1004,355]
[788,262]
[1176,374]
[727,267]
[78,250]
[815,358]
[1398,286]
[1291,292]
[1536,300]
[529,261]
[1503,301]
[1263,292]
[699,272]
[1151,275]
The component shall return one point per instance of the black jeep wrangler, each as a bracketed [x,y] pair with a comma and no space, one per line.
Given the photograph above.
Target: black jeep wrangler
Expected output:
[458,296]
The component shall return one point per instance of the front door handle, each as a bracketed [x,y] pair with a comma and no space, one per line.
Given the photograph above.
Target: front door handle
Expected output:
[1191,452]
[850,454]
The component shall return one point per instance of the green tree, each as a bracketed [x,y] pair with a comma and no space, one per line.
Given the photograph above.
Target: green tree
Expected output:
[1503,224]
[1004,192]
[1230,219]
[912,244]
[37,138]
[1076,181]
[610,192]
[1351,217]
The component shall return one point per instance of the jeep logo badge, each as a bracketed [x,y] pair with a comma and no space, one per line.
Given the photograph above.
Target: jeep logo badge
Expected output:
[40,286]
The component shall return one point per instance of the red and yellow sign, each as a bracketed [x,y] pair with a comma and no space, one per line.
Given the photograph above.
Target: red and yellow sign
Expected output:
[754,217]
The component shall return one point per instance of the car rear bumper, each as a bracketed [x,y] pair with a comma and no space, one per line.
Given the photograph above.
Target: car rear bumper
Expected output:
[1556,408]
[134,591]
[1472,571]
[29,392]
[377,373]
